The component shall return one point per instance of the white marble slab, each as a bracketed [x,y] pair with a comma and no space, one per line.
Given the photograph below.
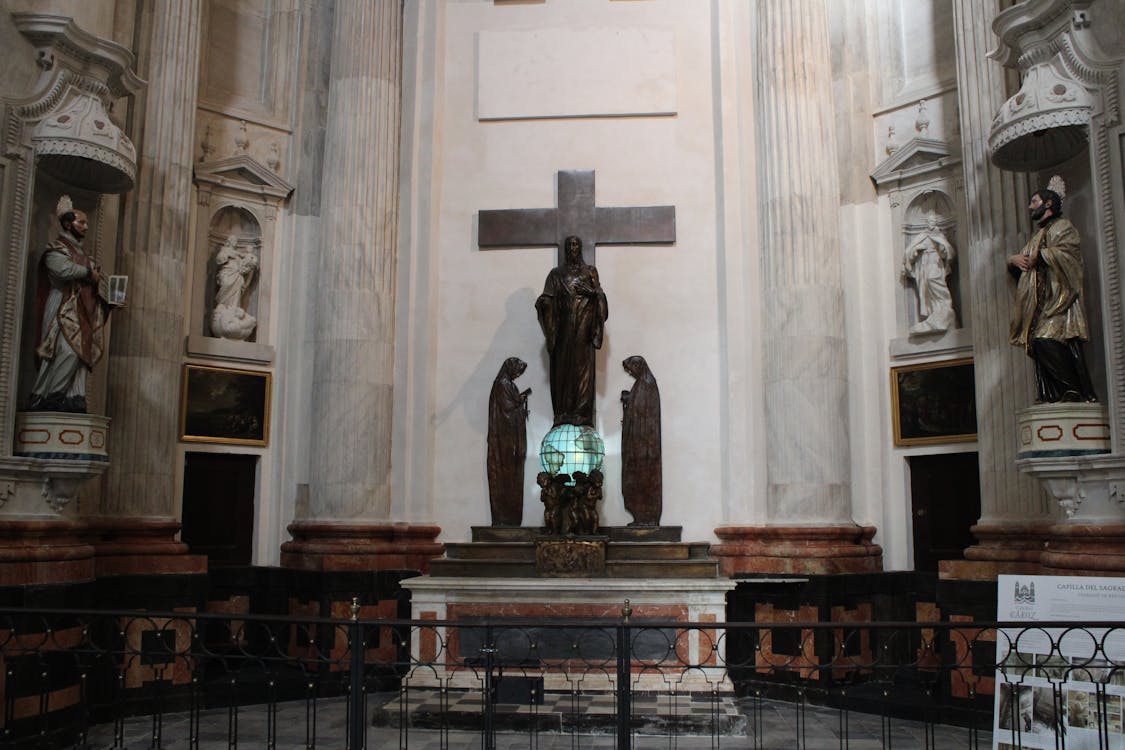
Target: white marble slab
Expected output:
[564,72]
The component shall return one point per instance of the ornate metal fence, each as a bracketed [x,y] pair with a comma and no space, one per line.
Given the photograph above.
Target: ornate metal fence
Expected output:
[176,679]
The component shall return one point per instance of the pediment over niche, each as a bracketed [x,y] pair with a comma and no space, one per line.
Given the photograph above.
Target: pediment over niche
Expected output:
[921,157]
[243,173]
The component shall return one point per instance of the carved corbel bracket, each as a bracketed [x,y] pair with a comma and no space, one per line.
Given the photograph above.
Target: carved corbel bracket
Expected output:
[1090,490]
[38,487]
[58,491]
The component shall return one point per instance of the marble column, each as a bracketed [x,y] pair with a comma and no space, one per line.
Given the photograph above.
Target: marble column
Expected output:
[1014,510]
[136,533]
[346,522]
[808,497]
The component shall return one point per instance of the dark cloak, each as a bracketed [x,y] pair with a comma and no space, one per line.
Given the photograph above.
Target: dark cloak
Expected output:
[507,444]
[641,472]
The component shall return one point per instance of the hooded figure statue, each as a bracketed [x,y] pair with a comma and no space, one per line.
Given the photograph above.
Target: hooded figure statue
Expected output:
[507,444]
[641,473]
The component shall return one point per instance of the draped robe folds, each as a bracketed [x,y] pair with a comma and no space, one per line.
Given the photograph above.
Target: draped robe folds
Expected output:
[641,472]
[930,268]
[72,322]
[1047,304]
[572,312]
[1047,316]
[507,445]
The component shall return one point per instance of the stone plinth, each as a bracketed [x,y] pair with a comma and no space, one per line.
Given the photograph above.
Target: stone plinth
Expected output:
[141,546]
[804,550]
[583,613]
[360,546]
[1090,491]
[1080,549]
[1001,548]
[39,552]
[1062,430]
[61,435]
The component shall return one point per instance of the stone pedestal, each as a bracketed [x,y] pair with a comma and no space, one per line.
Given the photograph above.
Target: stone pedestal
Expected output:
[42,542]
[1010,548]
[692,658]
[805,550]
[43,552]
[1062,430]
[359,547]
[1090,490]
[141,546]
[60,435]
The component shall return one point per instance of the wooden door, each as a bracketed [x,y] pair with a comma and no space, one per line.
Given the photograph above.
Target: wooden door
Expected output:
[218,515]
[945,500]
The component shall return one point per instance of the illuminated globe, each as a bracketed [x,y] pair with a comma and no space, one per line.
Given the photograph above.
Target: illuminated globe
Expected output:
[568,448]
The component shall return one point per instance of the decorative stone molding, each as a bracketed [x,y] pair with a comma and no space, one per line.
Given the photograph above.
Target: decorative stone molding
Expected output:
[243,176]
[75,140]
[1086,488]
[915,160]
[1044,123]
[42,488]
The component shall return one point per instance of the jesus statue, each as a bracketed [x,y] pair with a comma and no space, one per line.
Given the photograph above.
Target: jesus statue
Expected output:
[572,313]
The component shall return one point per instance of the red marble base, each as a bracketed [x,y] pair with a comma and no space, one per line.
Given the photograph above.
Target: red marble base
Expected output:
[360,546]
[802,550]
[141,546]
[1001,549]
[1078,549]
[37,552]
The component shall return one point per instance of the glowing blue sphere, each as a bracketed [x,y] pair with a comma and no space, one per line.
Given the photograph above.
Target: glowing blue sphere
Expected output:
[568,448]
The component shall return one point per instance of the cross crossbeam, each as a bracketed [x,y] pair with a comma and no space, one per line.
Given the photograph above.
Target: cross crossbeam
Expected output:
[576,214]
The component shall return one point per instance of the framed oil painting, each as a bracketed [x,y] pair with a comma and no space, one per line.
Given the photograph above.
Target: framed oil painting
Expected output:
[934,403]
[221,405]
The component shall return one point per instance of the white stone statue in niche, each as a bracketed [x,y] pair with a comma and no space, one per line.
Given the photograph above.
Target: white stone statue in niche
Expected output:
[928,260]
[235,270]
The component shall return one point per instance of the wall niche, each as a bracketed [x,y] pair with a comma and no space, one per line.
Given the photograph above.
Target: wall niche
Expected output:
[921,179]
[233,261]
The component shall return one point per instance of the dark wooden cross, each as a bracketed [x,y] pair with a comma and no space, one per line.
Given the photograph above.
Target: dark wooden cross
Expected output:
[576,214]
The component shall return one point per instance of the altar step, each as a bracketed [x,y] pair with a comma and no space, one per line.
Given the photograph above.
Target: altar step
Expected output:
[630,552]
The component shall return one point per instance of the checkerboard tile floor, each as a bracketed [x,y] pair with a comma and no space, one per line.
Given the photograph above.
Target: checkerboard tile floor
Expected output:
[777,730]
[560,711]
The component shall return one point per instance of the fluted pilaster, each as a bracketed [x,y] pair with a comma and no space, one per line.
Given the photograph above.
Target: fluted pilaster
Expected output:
[996,225]
[805,356]
[147,340]
[355,282]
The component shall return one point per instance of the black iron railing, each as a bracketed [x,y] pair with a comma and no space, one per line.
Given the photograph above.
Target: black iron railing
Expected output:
[175,679]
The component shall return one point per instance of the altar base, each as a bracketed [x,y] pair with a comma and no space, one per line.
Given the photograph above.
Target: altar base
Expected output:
[449,653]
